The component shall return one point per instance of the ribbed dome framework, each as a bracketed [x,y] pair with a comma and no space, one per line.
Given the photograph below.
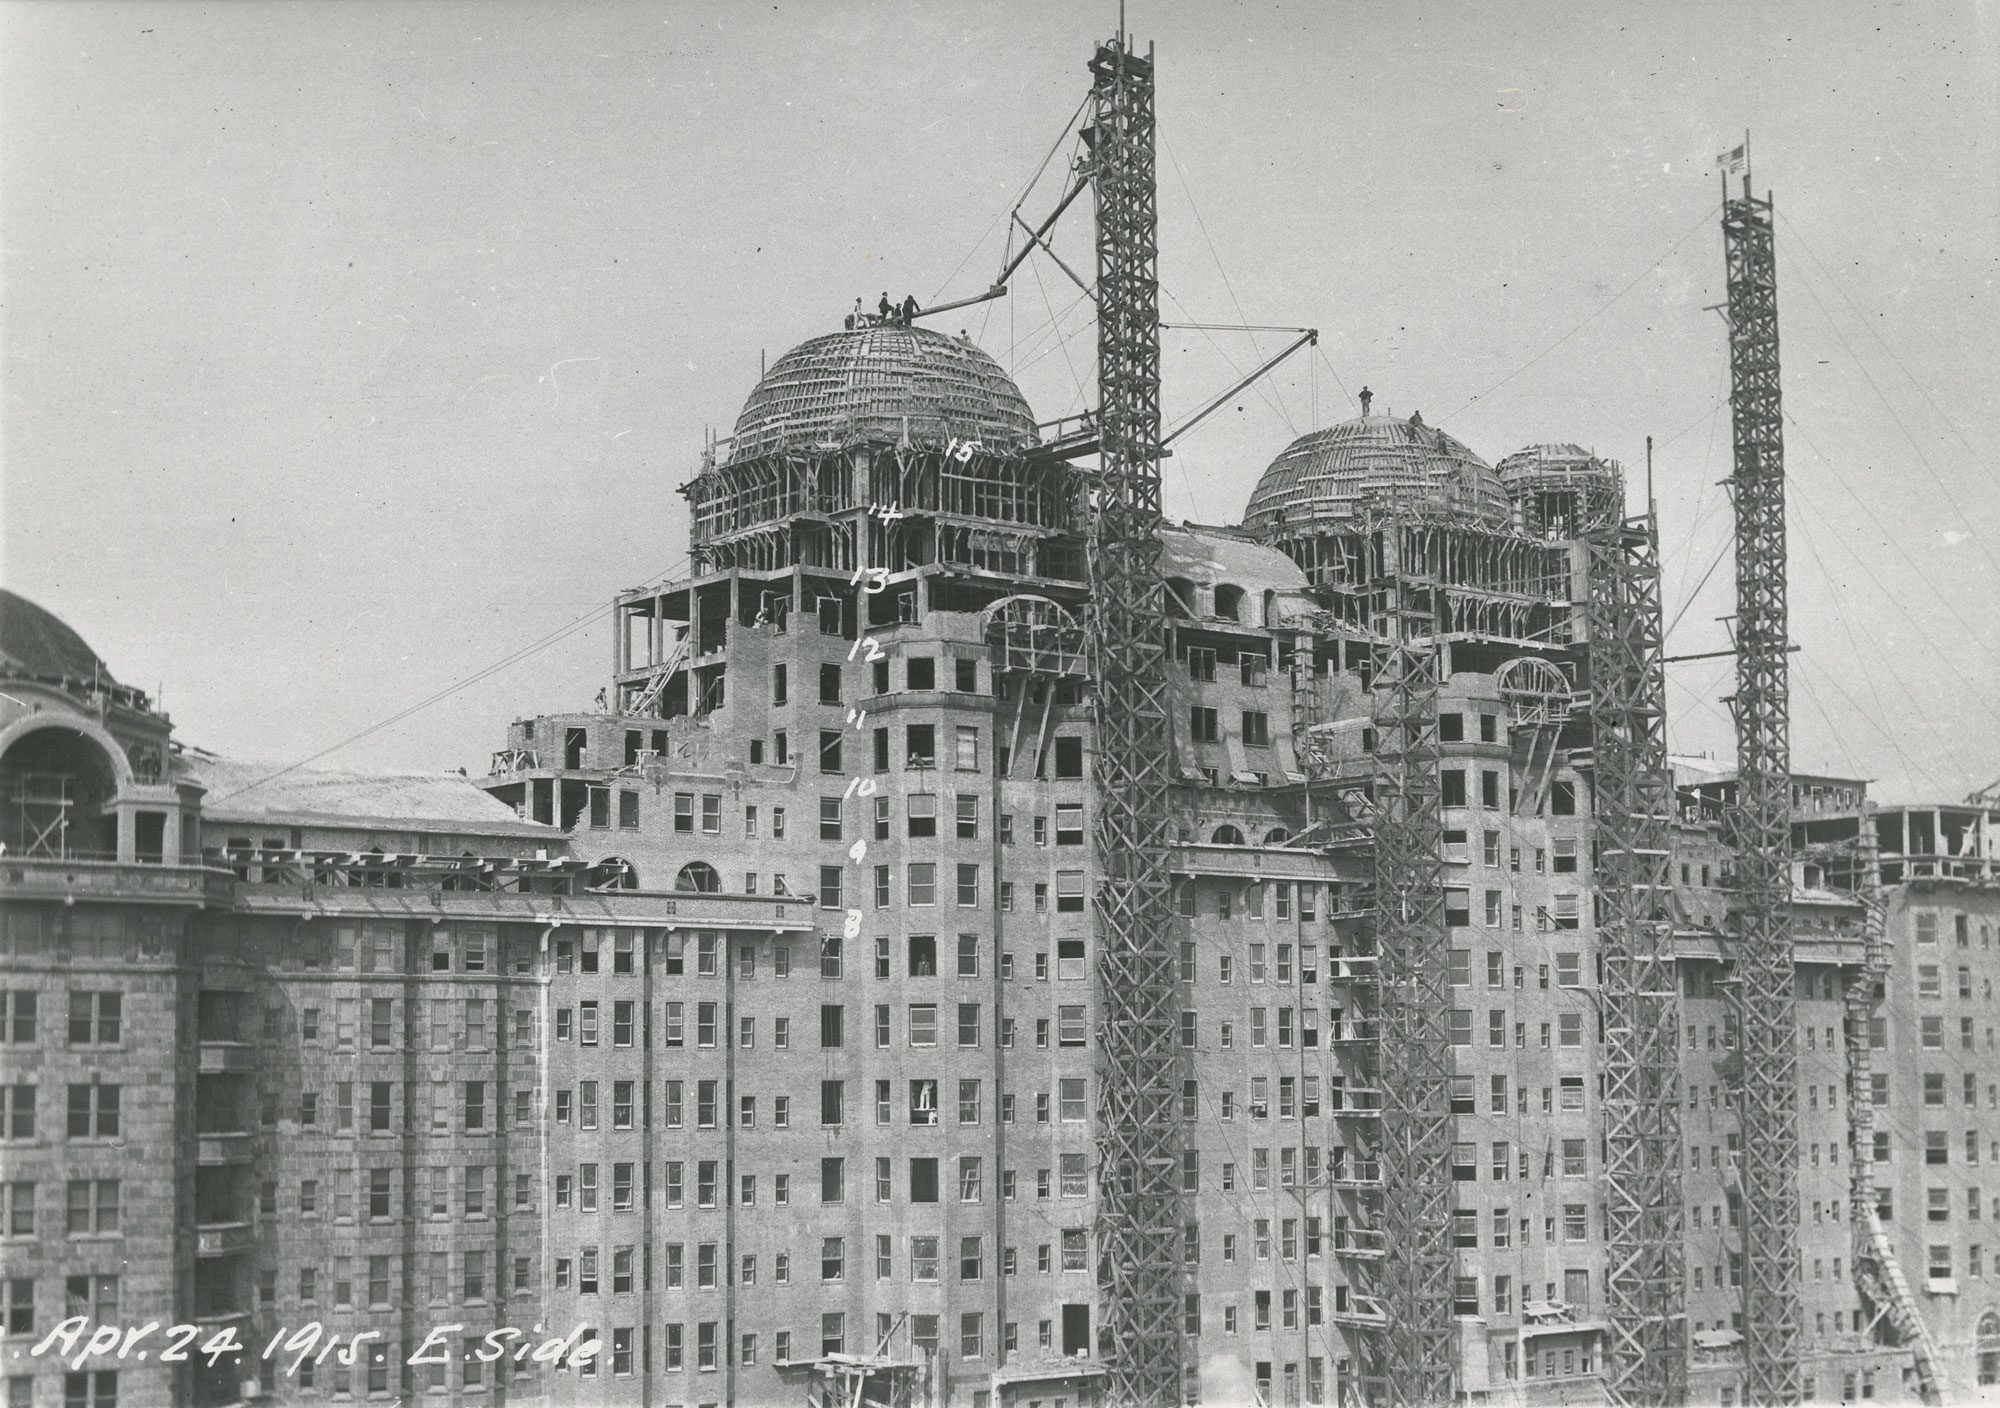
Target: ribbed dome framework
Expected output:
[1555,461]
[1333,476]
[1557,489]
[871,383]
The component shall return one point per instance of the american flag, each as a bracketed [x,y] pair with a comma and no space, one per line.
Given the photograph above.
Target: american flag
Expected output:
[1734,163]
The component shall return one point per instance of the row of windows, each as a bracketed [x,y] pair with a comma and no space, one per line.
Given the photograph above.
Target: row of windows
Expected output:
[1930,982]
[93,1111]
[479,1279]
[441,1192]
[90,1207]
[919,677]
[1926,925]
[95,1018]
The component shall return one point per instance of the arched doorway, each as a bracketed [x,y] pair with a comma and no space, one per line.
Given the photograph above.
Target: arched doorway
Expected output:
[56,787]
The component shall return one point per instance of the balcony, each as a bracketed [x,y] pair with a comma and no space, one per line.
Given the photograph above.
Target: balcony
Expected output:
[1361,1243]
[1362,1313]
[228,1058]
[1355,968]
[1354,1102]
[1359,1175]
[224,1238]
[47,877]
[1252,863]
[225,1147]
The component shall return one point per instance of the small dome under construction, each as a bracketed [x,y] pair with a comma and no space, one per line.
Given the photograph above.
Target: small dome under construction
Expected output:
[876,384]
[1333,476]
[1557,489]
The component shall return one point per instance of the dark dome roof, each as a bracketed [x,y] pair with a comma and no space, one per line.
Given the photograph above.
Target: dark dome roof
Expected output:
[33,642]
[872,382]
[1337,473]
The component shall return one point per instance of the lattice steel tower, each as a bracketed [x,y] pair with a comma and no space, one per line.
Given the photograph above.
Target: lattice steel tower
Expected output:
[1409,1358]
[1138,1131]
[1632,792]
[1767,1087]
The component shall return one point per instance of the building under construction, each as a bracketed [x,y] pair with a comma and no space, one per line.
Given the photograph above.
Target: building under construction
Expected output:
[1000,948]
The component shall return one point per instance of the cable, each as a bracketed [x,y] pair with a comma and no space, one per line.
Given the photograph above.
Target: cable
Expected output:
[533,647]
[1601,309]
[1891,540]
[1922,390]
[1895,743]
[1202,225]
[1026,191]
[1064,343]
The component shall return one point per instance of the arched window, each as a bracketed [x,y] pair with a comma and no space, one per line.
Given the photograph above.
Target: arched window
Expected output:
[1989,1350]
[1180,597]
[1227,835]
[1229,602]
[617,873]
[699,876]
[1277,836]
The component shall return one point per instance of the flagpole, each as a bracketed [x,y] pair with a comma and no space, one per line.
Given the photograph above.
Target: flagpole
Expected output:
[1746,163]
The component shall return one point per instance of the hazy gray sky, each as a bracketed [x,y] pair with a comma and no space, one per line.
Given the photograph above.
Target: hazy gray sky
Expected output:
[352,347]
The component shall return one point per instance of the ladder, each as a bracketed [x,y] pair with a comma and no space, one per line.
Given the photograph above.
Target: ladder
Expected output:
[651,694]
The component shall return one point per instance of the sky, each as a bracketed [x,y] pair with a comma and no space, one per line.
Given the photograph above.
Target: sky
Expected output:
[353,350]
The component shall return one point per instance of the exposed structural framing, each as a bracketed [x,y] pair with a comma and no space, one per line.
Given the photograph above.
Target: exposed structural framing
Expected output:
[1633,795]
[1139,1196]
[1482,583]
[1878,1276]
[1408,1357]
[1767,1086]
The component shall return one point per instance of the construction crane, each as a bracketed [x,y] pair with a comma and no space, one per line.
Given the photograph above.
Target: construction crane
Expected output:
[1762,988]
[1138,1222]
[1632,798]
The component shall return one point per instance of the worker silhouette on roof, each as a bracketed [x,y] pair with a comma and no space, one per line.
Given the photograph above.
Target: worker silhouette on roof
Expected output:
[885,307]
[910,309]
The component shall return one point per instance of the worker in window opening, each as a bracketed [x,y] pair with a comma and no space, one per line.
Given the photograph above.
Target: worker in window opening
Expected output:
[885,308]
[909,308]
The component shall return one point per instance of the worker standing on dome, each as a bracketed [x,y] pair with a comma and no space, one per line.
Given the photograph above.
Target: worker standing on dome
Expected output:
[885,307]
[910,309]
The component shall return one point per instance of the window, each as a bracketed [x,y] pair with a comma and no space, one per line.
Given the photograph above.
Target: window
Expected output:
[922,882]
[1069,824]
[1069,891]
[93,1111]
[1256,729]
[1203,724]
[1069,755]
[93,1018]
[1072,1089]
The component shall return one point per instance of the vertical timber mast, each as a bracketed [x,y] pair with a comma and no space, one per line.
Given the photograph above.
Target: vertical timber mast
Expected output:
[1632,800]
[1408,1358]
[1139,1198]
[1762,990]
